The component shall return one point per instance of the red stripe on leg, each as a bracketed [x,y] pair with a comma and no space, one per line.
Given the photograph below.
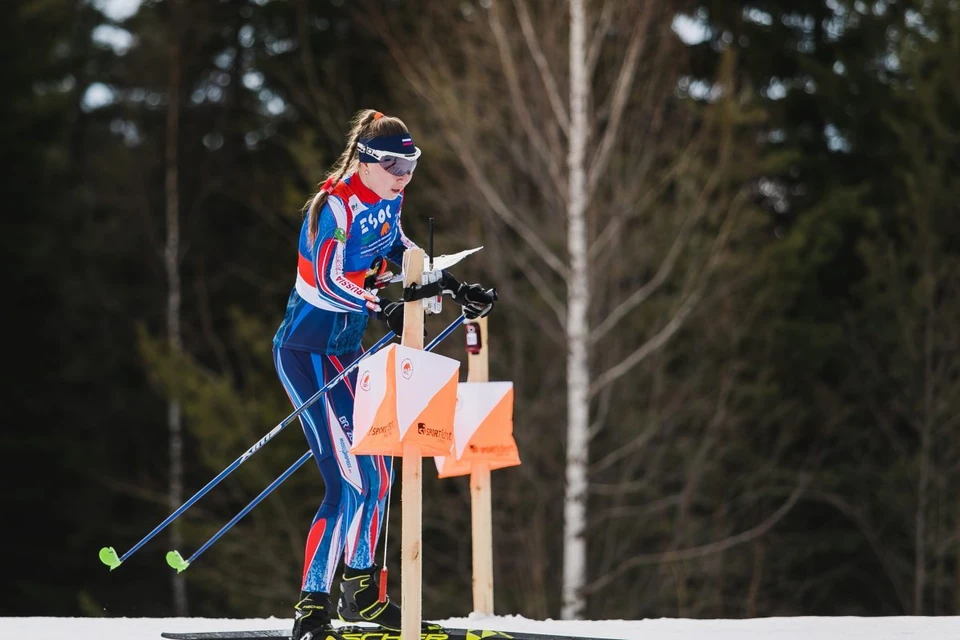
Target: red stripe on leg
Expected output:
[373,529]
[313,541]
[384,476]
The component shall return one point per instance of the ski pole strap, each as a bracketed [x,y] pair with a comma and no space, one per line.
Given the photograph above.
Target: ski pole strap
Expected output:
[421,291]
[446,284]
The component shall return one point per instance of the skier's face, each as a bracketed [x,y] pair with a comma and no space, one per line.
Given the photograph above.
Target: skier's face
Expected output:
[381,182]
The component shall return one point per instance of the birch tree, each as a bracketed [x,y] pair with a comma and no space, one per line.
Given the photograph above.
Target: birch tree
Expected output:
[578,331]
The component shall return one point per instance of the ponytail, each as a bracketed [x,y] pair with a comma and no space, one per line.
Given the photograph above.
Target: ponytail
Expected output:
[366,123]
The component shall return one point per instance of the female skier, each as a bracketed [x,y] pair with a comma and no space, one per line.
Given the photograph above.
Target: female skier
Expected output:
[351,227]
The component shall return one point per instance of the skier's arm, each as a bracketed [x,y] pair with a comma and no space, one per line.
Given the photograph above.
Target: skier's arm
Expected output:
[333,285]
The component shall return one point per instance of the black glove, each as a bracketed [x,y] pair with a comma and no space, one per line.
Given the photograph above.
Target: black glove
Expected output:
[391,313]
[475,300]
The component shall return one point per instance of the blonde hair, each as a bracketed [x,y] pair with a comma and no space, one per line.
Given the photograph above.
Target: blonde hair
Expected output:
[366,123]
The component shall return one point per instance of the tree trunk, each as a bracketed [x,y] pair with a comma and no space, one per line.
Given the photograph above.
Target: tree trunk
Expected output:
[172,264]
[923,481]
[578,373]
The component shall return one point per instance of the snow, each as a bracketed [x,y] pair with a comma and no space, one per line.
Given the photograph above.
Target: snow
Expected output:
[801,628]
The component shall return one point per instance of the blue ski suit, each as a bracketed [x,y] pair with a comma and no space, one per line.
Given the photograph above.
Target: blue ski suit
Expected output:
[320,334]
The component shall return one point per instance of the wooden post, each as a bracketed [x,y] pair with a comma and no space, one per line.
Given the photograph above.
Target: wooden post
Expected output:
[411,496]
[481,498]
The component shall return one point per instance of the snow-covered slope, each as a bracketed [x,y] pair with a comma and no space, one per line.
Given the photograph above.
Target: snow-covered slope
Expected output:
[848,628]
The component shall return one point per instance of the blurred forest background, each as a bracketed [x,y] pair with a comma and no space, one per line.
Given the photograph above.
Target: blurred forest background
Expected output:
[772,296]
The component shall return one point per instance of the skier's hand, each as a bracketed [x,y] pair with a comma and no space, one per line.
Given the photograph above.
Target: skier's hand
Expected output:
[475,300]
[391,314]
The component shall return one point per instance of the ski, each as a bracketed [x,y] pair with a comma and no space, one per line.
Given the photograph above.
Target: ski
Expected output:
[372,633]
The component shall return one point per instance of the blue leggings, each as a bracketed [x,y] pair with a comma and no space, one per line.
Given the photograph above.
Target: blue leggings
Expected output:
[351,514]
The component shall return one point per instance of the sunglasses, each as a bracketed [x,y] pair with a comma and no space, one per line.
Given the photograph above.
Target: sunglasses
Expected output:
[396,164]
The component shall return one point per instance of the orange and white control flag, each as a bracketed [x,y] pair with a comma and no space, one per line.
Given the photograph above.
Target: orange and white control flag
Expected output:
[405,395]
[483,429]
[375,429]
[426,399]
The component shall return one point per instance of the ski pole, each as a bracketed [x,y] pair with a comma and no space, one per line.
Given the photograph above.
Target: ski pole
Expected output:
[176,561]
[108,555]
[446,332]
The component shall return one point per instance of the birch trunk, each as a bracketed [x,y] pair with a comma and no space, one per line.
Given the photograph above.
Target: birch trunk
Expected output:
[171,257]
[578,374]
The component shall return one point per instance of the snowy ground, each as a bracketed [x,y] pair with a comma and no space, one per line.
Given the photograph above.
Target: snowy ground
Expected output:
[893,628]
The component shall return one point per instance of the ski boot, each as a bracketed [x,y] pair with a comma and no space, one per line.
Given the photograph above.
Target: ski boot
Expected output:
[312,618]
[360,599]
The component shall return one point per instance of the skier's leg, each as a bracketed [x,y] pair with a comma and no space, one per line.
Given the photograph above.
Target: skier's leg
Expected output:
[359,588]
[350,469]
[301,379]
[365,533]
[362,505]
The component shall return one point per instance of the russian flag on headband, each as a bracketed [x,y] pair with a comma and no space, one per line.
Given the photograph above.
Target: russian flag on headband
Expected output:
[401,144]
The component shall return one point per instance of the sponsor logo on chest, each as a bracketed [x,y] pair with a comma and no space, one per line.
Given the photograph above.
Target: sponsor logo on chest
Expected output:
[376,221]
